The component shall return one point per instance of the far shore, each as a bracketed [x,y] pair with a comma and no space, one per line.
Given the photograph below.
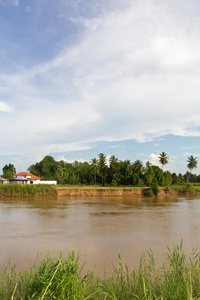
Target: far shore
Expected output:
[122,191]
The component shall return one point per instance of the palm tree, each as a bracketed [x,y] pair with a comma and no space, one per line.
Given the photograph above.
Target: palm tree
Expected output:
[95,169]
[128,168]
[192,163]
[62,171]
[163,158]
[138,167]
[102,166]
[114,166]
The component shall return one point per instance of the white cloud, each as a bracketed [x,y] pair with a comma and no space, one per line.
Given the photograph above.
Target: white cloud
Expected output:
[153,159]
[133,74]
[5,108]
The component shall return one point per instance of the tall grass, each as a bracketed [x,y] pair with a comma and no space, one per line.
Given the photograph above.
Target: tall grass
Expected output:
[27,190]
[177,277]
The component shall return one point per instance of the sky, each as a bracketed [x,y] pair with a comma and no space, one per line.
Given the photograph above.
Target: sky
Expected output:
[81,77]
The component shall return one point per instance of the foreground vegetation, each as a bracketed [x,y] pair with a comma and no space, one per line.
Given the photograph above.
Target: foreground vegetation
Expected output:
[177,277]
[27,190]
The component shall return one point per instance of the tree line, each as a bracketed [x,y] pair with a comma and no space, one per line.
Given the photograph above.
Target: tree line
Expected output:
[112,172]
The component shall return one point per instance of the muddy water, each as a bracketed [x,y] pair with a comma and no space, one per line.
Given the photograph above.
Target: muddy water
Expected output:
[98,228]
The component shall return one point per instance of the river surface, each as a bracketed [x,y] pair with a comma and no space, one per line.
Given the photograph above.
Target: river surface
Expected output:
[97,227]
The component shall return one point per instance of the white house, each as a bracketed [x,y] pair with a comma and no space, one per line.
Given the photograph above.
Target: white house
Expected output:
[28,178]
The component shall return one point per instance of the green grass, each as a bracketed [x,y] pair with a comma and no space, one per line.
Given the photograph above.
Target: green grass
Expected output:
[27,190]
[188,188]
[92,187]
[177,277]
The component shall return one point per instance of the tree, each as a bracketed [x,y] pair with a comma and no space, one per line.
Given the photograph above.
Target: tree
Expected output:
[159,176]
[138,167]
[149,176]
[9,168]
[62,170]
[135,179]
[148,165]
[102,166]
[128,168]
[174,178]
[46,168]
[8,175]
[163,159]
[192,163]
[168,178]
[95,169]
[114,169]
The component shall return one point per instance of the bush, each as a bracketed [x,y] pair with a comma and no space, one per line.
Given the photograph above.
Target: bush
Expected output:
[113,183]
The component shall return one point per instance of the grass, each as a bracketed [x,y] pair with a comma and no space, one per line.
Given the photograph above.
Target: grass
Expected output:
[93,187]
[177,277]
[188,188]
[27,190]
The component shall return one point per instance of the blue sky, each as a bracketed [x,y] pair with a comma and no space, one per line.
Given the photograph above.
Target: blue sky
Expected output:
[82,77]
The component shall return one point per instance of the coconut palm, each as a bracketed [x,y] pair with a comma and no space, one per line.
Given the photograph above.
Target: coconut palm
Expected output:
[138,167]
[148,165]
[102,166]
[62,170]
[95,169]
[192,163]
[163,158]
[128,167]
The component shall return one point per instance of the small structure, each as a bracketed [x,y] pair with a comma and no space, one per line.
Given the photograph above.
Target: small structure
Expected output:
[25,178]
[28,178]
[3,180]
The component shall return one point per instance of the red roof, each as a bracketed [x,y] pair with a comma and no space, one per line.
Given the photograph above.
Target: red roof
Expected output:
[33,177]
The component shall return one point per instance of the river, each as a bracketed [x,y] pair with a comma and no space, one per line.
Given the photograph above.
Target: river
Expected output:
[97,227]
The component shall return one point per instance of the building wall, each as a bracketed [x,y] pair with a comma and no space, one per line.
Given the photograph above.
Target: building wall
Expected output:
[45,182]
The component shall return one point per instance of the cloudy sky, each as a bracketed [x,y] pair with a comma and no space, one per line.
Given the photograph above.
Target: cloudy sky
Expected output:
[80,77]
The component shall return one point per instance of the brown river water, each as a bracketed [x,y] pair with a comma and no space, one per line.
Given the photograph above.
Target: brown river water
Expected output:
[97,227]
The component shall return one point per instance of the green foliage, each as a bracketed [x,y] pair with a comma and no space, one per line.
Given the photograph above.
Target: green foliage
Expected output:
[9,168]
[138,167]
[114,182]
[174,178]
[135,179]
[168,178]
[8,175]
[102,166]
[27,190]
[149,191]
[192,162]
[163,158]
[190,188]
[176,277]
[155,188]
[46,168]
[99,172]
[95,169]
[149,176]
[159,176]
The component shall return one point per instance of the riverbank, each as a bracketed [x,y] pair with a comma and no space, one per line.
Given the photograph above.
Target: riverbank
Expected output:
[177,277]
[12,190]
[125,191]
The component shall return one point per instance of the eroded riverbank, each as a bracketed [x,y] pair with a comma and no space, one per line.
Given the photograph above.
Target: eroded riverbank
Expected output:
[123,192]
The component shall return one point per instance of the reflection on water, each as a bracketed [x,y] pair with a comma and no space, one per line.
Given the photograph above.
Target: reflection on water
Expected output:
[98,228]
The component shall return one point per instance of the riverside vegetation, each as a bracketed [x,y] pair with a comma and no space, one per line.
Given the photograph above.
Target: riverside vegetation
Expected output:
[101,172]
[176,277]
[27,190]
